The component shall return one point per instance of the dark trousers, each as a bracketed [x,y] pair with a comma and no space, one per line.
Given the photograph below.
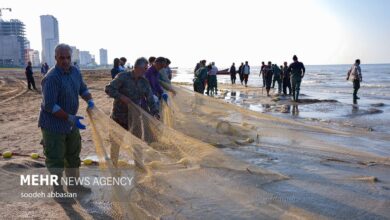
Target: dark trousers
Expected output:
[30,82]
[296,86]
[268,81]
[356,87]
[233,78]
[246,76]
[264,79]
[286,84]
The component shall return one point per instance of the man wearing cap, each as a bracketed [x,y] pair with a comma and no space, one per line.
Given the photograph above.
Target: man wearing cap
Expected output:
[297,72]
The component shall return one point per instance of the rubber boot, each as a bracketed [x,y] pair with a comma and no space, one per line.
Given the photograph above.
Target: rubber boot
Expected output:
[75,173]
[58,188]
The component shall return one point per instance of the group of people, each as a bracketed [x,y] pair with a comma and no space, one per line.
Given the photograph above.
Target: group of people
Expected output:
[287,76]
[205,75]
[119,66]
[44,68]
[243,72]
[145,85]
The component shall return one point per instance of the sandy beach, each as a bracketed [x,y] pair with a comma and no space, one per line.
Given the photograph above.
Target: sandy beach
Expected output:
[331,169]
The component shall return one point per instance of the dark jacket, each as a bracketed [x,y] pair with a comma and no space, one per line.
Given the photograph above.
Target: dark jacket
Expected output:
[240,69]
[29,71]
[114,72]
[232,70]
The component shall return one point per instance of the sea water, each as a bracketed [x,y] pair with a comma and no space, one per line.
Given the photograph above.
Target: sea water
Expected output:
[371,111]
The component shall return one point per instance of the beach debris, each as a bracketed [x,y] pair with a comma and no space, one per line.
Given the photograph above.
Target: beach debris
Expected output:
[368,163]
[371,179]
[276,99]
[374,111]
[225,127]
[313,101]
[331,159]
[7,154]
[285,109]
[243,142]
[378,104]
[34,156]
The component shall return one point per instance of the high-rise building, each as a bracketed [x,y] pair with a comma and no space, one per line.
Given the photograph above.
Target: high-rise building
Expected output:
[12,43]
[50,38]
[85,58]
[34,58]
[103,57]
[75,55]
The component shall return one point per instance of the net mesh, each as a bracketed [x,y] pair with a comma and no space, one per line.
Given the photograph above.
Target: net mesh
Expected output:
[181,172]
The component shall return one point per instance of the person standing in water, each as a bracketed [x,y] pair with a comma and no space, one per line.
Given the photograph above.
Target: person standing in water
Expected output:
[233,73]
[245,72]
[355,75]
[297,71]
[262,72]
[241,75]
[268,73]
[277,78]
[286,79]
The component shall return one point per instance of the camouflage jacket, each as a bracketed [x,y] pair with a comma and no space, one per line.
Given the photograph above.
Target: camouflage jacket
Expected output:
[138,91]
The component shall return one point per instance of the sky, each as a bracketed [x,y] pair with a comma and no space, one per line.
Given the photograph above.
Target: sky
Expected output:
[186,31]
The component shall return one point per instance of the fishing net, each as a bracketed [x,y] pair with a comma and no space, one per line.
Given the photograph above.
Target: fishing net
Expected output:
[180,169]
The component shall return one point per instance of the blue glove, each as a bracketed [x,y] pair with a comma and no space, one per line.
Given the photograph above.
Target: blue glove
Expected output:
[165,97]
[75,120]
[91,104]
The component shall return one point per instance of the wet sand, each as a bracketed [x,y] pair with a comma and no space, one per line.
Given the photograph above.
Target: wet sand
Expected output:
[330,176]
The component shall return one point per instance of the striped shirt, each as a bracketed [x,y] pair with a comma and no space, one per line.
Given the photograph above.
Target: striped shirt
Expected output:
[60,90]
